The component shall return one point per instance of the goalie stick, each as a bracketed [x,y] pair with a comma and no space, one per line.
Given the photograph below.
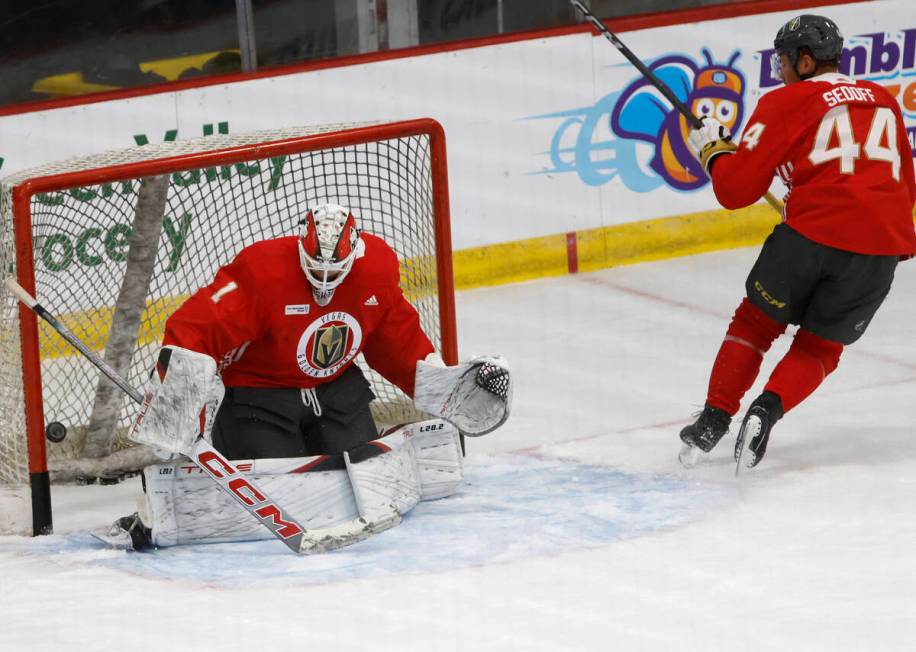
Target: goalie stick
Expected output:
[662,87]
[245,492]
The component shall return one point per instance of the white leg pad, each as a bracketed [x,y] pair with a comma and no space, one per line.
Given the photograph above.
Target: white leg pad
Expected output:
[419,461]
[384,480]
[182,506]
[439,460]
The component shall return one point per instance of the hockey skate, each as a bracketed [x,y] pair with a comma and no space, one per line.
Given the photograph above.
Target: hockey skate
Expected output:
[127,533]
[702,435]
[751,445]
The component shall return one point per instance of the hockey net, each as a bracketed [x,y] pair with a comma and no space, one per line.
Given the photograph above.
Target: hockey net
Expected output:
[113,244]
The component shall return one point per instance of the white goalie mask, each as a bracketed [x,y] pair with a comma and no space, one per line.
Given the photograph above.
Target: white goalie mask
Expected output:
[328,244]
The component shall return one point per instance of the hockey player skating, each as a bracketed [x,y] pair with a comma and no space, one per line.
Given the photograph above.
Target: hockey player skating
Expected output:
[841,148]
[283,323]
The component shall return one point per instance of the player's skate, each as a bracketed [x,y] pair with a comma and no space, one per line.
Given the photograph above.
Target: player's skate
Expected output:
[127,533]
[751,445]
[702,435]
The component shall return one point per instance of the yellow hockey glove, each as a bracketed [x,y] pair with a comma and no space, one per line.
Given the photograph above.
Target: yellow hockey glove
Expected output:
[713,149]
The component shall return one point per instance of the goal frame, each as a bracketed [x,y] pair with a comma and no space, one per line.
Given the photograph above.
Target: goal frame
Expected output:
[22,194]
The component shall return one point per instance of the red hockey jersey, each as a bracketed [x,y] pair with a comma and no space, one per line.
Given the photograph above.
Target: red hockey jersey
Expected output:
[260,322]
[842,149]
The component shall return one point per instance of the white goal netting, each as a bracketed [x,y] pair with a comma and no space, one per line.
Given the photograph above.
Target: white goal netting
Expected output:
[114,257]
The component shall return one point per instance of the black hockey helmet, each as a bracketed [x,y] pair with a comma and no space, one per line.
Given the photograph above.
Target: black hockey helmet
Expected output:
[818,34]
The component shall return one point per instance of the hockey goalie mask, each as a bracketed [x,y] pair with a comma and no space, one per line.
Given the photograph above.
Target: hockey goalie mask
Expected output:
[328,240]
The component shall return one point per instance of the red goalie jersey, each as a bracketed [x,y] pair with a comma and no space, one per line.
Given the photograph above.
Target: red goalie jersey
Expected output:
[259,320]
[842,148]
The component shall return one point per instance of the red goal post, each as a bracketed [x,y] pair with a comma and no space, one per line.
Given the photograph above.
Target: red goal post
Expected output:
[112,243]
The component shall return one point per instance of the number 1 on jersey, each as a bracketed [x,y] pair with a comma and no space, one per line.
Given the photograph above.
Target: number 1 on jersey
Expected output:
[836,121]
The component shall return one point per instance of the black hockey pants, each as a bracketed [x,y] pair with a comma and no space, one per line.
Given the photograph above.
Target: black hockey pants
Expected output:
[259,422]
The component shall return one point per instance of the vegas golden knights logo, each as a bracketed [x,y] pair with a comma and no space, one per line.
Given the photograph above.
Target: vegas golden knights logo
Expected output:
[330,345]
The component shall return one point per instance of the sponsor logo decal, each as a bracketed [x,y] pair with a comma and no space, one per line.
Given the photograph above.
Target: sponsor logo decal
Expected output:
[371,301]
[247,494]
[329,343]
[432,427]
[769,298]
[297,309]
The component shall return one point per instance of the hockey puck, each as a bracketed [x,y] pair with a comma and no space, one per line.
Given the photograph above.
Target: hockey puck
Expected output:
[56,432]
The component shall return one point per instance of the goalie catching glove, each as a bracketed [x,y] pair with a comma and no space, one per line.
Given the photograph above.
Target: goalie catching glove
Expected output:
[710,140]
[476,395]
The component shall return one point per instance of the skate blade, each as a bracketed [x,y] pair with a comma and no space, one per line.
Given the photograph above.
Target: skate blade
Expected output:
[689,456]
[746,459]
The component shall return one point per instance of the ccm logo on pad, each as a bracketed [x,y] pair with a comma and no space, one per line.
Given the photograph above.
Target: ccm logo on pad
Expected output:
[246,494]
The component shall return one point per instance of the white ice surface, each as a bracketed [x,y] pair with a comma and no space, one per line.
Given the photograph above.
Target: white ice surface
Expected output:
[577,529]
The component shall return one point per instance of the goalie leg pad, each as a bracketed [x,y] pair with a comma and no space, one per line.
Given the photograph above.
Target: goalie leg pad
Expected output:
[379,481]
[183,506]
[437,446]
[383,474]
[417,461]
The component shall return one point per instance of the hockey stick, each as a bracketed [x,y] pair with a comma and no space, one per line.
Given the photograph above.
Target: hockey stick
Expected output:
[662,87]
[232,481]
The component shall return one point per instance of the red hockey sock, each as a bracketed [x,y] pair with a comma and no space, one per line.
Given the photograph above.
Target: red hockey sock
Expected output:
[809,360]
[749,336]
